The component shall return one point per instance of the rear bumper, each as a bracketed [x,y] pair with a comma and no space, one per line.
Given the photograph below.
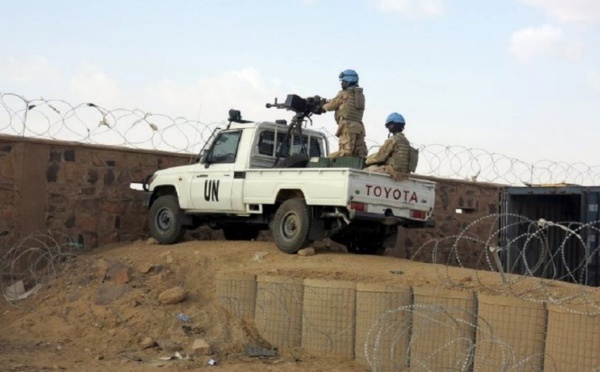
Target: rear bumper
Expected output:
[392,220]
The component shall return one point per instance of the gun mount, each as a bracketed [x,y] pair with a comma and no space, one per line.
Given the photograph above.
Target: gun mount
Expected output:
[304,109]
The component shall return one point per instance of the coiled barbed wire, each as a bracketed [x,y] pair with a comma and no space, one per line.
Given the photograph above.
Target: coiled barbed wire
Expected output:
[412,337]
[420,336]
[475,164]
[526,257]
[90,123]
[34,261]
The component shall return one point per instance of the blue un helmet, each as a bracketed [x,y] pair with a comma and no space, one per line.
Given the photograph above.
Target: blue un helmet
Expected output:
[395,122]
[348,78]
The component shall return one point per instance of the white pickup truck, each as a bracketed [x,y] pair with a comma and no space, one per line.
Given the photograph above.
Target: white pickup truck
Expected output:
[249,178]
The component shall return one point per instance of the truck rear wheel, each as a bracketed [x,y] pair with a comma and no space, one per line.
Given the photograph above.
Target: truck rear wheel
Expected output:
[291,225]
[165,220]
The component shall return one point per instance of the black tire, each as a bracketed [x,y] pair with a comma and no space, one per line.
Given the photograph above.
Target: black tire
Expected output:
[291,225]
[165,220]
[293,161]
[240,232]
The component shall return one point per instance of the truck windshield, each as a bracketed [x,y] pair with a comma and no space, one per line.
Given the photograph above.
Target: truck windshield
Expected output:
[225,147]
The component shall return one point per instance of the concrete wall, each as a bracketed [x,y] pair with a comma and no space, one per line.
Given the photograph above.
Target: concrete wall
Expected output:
[83,191]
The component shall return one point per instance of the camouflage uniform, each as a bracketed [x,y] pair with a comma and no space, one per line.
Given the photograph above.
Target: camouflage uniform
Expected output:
[392,158]
[349,106]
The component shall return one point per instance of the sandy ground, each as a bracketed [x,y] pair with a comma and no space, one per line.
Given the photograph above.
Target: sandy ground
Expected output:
[86,320]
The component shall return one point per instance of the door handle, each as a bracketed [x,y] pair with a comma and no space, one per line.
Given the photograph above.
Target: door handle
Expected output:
[201,175]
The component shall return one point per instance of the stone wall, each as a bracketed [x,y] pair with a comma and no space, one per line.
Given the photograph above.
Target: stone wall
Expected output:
[476,202]
[11,173]
[78,189]
[83,191]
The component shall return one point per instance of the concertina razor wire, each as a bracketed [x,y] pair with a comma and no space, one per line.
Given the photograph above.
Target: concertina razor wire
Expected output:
[92,124]
[398,326]
[523,259]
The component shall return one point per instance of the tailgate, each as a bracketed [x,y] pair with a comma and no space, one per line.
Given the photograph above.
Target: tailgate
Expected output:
[375,193]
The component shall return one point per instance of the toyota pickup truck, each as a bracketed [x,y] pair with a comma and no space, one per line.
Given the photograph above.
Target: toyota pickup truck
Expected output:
[255,176]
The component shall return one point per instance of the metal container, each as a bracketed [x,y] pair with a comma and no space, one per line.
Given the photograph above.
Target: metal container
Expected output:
[532,246]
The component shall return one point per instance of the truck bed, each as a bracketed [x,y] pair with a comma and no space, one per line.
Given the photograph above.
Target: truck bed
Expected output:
[377,192]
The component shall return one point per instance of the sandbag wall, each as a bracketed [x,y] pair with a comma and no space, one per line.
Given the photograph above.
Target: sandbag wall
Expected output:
[394,327]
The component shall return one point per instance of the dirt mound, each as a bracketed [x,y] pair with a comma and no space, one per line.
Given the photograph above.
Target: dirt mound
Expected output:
[102,312]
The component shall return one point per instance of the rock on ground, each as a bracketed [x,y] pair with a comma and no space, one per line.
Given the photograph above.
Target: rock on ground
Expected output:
[173,295]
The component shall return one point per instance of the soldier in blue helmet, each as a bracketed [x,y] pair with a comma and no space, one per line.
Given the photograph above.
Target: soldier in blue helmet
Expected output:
[349,106]
[396,157]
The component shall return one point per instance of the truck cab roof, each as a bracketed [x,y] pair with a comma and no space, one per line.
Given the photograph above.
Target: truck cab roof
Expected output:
[263,141]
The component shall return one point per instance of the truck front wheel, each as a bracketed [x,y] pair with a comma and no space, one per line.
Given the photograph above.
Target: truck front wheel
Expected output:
[165,220]
[291,225]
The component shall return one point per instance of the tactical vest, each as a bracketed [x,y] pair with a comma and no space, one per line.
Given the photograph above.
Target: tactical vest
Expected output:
[400,157]
[354,107]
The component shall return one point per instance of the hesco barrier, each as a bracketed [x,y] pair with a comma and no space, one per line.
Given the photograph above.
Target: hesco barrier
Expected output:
[278,315]
[236,293]
[393,328]
[329,315]
[514,334]
[443,329]
[382,327]
[573,340]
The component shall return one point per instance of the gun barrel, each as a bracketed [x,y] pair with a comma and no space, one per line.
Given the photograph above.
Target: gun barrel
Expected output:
[305,106]
[277,105]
